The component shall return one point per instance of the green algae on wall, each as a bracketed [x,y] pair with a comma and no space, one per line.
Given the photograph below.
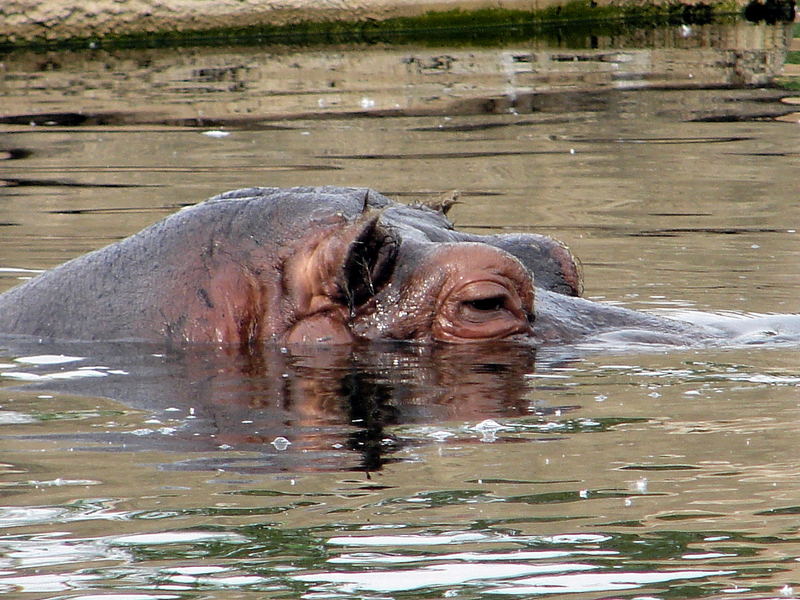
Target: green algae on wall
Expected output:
[491,26]
[791,80]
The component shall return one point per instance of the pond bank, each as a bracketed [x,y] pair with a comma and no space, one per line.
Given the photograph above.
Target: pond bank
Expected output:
[78,23]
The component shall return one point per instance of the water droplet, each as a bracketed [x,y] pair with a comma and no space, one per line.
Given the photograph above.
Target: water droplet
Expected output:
[281,443]
[488,425]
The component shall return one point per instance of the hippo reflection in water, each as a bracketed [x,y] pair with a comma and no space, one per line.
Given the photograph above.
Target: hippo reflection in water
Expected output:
[325,266]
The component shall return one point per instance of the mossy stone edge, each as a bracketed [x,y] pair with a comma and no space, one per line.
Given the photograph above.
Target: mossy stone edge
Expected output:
[487,27]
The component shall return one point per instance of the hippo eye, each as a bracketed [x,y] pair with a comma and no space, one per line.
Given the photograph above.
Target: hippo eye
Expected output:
[487,304]
[484,308]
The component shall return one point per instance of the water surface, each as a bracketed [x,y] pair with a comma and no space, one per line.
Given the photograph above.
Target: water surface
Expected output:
[401,471]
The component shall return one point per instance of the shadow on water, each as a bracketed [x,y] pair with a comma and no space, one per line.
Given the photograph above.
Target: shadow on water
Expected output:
[313,409]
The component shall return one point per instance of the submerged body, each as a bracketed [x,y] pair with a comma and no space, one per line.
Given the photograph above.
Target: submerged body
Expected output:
[323,265]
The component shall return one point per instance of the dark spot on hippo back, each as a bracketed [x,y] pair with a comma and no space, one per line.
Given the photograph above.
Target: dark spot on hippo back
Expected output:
[203,295]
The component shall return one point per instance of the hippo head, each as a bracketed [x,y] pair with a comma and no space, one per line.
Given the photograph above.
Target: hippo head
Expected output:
[293,266]
[363,280]
[334,265]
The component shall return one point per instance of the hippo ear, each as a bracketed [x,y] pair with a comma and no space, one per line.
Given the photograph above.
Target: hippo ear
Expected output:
[443,202]
[345,266]
[369,262]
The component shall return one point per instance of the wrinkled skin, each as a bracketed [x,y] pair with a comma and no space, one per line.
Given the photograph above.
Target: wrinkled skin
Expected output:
[321,266]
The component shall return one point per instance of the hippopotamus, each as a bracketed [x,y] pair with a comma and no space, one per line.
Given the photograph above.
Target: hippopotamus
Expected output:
[322,265]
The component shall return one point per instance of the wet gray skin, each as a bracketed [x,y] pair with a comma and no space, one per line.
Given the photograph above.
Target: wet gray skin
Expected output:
[324,265]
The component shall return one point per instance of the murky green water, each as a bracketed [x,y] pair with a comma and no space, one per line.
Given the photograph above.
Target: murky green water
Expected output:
[404,472]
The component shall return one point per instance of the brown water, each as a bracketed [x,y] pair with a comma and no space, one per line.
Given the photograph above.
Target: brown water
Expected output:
[414,472]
